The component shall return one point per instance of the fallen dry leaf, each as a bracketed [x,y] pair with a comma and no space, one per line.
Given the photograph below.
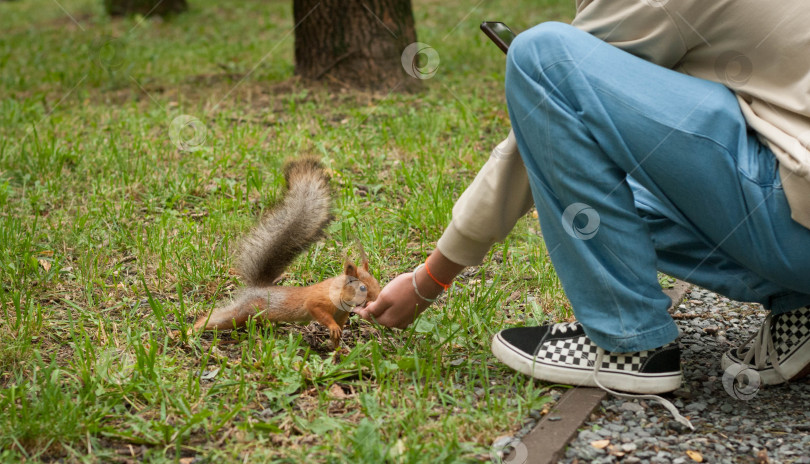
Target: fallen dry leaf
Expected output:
[600,444]
[337,392]
[514,296]
[45,264]
[694,455]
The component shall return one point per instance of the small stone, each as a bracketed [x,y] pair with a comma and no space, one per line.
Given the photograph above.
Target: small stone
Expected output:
[786,449]
[631,406]
[501,442]
[697,406]
[615,427]
[588,436]
[629,447]
[588,453]
[604,433]
[677,427]
[683,393]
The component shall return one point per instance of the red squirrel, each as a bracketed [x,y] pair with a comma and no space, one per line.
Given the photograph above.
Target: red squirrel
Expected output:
[286,231]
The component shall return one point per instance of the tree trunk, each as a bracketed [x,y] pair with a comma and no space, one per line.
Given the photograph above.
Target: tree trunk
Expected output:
[355,43]
[144,7]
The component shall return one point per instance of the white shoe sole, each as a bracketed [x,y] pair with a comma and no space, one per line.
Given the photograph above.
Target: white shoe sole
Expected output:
[796,366]
[621,381]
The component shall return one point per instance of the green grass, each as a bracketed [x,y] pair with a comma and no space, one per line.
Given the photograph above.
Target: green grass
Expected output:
[112,236]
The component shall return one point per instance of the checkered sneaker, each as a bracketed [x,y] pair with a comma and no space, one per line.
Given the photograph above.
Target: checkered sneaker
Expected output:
[779,351]
[563,353]
[581,351]
[790,331]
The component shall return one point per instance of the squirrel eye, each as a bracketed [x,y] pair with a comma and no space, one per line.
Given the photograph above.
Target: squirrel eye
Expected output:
[362,288]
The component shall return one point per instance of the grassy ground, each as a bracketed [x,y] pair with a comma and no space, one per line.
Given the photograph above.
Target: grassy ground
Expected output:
[112,236]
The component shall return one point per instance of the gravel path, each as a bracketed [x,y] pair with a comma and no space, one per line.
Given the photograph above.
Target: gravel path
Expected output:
[771,427]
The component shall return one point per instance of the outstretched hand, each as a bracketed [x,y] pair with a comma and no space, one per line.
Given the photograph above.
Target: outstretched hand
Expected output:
[397,305]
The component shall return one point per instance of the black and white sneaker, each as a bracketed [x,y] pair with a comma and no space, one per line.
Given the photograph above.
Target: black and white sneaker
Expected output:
[779,351]
[562,353]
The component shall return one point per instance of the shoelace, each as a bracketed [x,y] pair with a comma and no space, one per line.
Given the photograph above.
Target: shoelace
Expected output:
[662,401]
[763,349]
[563,327]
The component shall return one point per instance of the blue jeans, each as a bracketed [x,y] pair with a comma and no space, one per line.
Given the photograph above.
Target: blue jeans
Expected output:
[635,167]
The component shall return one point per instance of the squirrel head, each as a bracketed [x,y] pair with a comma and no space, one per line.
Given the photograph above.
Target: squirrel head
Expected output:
[369,283]
[357,287]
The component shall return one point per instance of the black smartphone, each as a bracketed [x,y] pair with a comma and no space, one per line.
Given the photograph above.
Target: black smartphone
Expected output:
[499,33]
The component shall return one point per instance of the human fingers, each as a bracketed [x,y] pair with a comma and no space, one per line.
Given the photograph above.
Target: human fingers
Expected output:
[394,307]
[372,309]
[400,303]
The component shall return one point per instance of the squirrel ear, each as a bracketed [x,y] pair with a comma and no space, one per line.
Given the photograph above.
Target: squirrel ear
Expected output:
[365,265]
[350,269]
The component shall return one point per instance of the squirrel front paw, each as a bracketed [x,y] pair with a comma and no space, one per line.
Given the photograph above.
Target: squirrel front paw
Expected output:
[334,335]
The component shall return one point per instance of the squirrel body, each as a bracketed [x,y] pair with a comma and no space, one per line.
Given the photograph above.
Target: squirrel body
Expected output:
[297,222]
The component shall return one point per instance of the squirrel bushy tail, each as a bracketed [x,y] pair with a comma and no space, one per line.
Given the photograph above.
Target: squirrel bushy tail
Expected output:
[288,229]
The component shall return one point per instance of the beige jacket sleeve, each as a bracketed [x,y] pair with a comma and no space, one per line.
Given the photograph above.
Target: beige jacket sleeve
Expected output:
[490,207]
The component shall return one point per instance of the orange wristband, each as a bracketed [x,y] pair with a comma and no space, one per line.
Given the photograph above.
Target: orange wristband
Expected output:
[430,274]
